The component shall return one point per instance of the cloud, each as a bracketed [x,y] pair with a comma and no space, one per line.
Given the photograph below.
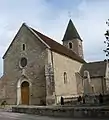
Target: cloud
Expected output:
[92,28]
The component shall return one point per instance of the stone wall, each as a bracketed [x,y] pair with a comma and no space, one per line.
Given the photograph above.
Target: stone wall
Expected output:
[63,64]
[50,85]
[97,84]
[77,46]
[34,72]
[80,86]
[82,112]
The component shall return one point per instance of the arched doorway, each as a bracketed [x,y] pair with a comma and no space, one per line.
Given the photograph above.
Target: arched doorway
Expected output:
[25,93]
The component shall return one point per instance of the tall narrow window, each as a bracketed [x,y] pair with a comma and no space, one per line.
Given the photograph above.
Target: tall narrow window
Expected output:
[65,77]
[23,46]
[93,89]
[70,45]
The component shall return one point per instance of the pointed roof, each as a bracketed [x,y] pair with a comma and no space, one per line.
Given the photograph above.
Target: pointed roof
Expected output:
[71,32]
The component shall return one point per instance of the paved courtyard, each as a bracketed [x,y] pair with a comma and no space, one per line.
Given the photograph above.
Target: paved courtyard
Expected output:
[18,116]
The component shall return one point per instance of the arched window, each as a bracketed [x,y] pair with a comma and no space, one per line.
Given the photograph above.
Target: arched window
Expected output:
[87,75]
[23,62]
[70,45]
[23,46]
[65,77]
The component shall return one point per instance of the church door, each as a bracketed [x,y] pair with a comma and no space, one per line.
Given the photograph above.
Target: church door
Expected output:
[25,93]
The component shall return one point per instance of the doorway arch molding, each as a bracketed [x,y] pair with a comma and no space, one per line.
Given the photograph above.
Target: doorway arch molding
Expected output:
[19,83]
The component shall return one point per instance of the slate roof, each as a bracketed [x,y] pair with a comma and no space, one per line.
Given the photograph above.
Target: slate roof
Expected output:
[71,32]
[95,69]
[57,47]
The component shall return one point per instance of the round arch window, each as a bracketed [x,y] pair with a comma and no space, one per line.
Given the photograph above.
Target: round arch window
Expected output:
[23,62]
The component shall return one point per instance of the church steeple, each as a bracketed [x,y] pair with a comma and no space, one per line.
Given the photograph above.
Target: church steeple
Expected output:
[71,32]
[72,39]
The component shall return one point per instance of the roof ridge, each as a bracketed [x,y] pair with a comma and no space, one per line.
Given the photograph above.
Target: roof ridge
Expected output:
[49,38]
[53,40]
[41,33]
[59,46]
[32,30]
[96,62]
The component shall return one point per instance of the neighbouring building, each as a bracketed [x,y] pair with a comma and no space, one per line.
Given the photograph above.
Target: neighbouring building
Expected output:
[38,70]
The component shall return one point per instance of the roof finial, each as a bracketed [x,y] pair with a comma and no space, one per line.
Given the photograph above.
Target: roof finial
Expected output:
[69,14]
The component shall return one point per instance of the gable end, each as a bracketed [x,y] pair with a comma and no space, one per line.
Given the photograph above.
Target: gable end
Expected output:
[24,25]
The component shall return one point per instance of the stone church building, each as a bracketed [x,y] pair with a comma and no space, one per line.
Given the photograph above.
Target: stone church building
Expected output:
[38,70]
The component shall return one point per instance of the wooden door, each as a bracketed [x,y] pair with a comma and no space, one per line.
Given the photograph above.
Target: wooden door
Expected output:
[25,93]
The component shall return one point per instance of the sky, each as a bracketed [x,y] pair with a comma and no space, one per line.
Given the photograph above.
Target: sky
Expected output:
[51,18]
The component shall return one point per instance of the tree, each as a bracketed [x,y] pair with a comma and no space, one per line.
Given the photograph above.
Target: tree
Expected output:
[107,54]
[107,40]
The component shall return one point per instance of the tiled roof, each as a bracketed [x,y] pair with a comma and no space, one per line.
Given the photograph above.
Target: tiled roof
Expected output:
[95,69]
[57,47]
[71,32]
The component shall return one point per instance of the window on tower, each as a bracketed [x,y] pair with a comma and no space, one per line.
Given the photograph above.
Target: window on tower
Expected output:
[23,46]
[65,77]
[70,45]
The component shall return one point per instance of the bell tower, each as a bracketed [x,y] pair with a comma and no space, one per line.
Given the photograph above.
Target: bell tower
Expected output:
[72,39]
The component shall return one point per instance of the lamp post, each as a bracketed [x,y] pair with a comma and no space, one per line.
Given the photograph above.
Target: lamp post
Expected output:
[107,54]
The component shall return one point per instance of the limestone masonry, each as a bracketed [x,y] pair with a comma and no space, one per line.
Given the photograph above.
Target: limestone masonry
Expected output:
[38,70]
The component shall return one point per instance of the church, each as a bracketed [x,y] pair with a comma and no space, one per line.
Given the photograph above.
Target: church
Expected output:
[39,70]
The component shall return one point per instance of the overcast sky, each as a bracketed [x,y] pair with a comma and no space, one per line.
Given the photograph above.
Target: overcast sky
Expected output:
[51,18]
